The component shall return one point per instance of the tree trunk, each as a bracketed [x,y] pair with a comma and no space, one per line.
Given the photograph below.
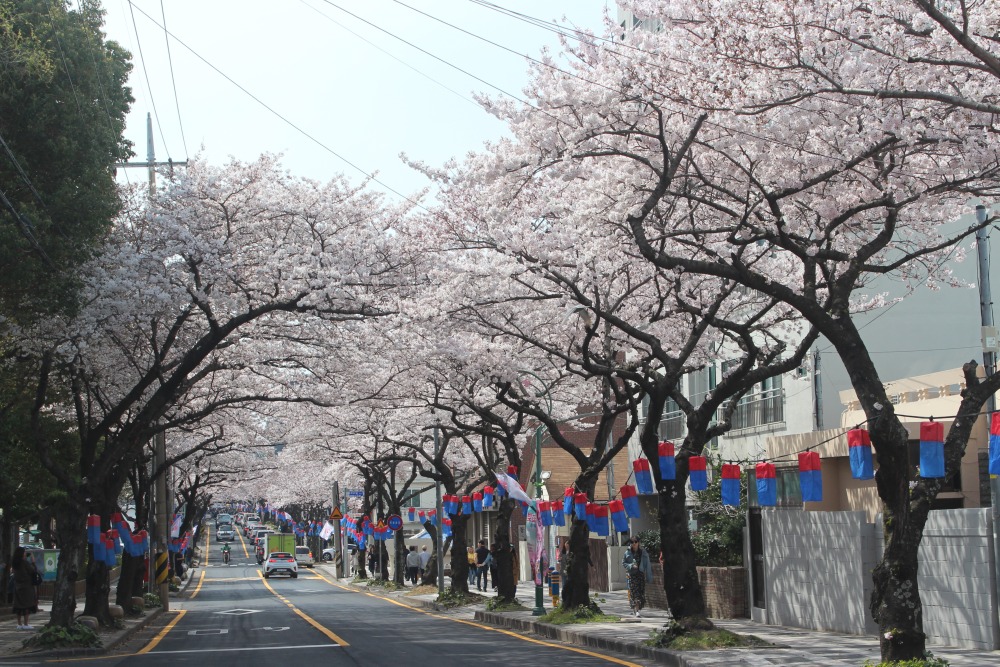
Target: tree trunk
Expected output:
[459,558]
[362,560]
[680,574]
[399,550]
[71,530]
[895,601]
[506,582]
[576,591]
[129,581]
[431,571]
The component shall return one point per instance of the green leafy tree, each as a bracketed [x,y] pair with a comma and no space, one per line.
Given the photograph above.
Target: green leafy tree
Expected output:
[718,539]
[63,102]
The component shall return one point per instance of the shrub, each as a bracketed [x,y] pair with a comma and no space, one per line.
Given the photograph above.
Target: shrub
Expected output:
[57,636]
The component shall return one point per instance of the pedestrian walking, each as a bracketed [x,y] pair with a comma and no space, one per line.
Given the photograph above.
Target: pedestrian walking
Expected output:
[425,557]
[639,572]
[26,581]
[470,556]
[412,565]
[482,563]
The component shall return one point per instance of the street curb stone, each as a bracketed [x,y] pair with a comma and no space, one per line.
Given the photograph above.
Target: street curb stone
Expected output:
[571,635]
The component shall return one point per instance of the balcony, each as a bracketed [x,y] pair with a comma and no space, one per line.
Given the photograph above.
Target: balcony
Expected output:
[766,407]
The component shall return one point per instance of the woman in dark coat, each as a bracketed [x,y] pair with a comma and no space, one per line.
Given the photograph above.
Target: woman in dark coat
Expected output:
[25,594]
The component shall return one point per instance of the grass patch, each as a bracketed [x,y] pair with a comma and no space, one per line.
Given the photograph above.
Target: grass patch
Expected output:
[496,604]
[581,614]
[384,584]
[679,638]
[76,636]
[452,598]
[422,590]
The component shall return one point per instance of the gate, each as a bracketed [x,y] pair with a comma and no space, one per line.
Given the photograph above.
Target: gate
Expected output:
[598,573]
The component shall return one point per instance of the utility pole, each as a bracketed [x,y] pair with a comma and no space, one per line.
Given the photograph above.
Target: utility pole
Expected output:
[159,565]
[989,338]
[162,520]
[151,164]
[337,541]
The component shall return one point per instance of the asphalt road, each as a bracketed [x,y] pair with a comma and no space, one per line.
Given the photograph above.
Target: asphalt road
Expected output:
[231,616]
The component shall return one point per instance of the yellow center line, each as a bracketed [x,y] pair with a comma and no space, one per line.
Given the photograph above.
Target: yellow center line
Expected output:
[333,636]
[163,633]
[201,580]
[490,628]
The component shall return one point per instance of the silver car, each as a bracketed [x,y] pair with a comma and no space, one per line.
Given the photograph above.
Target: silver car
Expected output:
[304,556]
[225,533]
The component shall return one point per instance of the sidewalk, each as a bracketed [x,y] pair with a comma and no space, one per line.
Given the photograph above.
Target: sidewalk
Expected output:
[12,639]
[792,646]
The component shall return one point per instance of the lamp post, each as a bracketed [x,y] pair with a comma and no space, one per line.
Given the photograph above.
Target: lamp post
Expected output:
[539,609]
[440,519]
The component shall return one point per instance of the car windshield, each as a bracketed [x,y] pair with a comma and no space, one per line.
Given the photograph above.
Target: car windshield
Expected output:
[302,550]
[280,555]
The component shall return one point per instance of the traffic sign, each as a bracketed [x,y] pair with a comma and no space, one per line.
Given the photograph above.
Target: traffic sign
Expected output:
[381,524]
[395,522]
[355,494]
[336,514]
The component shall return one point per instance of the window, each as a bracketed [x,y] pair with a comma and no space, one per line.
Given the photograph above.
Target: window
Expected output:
[765,405]
[789,491]
[410,500]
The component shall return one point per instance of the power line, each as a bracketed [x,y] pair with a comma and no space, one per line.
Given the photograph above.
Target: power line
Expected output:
[173,81]
[278,114]
[394,57]
[149,86]
[428,53]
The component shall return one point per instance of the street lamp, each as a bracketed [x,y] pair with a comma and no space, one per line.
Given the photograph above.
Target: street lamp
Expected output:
[440,517]
[539,609]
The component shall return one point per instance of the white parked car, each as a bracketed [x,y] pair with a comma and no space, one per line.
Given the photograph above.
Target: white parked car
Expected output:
[303,556]
[281,562]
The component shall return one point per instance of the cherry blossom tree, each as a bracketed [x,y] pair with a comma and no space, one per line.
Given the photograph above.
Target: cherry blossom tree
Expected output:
[801,151]
[195,304]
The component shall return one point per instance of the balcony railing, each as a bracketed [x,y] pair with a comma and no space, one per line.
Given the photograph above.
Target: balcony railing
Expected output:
[672,426]
[766,407]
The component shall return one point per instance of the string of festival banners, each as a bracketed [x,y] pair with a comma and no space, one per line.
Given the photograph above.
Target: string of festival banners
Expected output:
[576,504]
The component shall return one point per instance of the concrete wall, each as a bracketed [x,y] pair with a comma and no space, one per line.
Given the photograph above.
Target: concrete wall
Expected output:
[957,579]
[818,568]
[814,575]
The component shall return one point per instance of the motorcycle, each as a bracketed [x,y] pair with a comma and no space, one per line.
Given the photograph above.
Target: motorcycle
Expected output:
[225,557]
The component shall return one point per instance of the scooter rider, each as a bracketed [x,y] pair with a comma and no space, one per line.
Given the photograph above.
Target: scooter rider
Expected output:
[225,553]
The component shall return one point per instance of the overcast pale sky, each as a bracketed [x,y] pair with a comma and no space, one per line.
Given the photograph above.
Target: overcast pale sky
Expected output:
[365,80]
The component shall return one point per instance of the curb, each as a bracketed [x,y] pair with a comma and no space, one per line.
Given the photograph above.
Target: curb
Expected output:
[565,634]
[570,635]
[112,644]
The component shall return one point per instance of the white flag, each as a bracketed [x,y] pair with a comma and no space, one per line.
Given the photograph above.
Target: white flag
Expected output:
[513,488]
[327,531]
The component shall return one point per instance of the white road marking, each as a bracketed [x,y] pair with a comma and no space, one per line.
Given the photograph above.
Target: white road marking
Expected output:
[233,650]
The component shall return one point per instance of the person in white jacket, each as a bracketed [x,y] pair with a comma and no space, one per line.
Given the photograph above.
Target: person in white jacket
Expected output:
[639,572]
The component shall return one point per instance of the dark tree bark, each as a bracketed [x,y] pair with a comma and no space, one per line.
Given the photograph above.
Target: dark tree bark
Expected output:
[71,530]
[504,555]
[459,559]
[576,591]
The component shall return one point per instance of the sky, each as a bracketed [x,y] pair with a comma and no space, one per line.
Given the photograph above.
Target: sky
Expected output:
[355,83]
